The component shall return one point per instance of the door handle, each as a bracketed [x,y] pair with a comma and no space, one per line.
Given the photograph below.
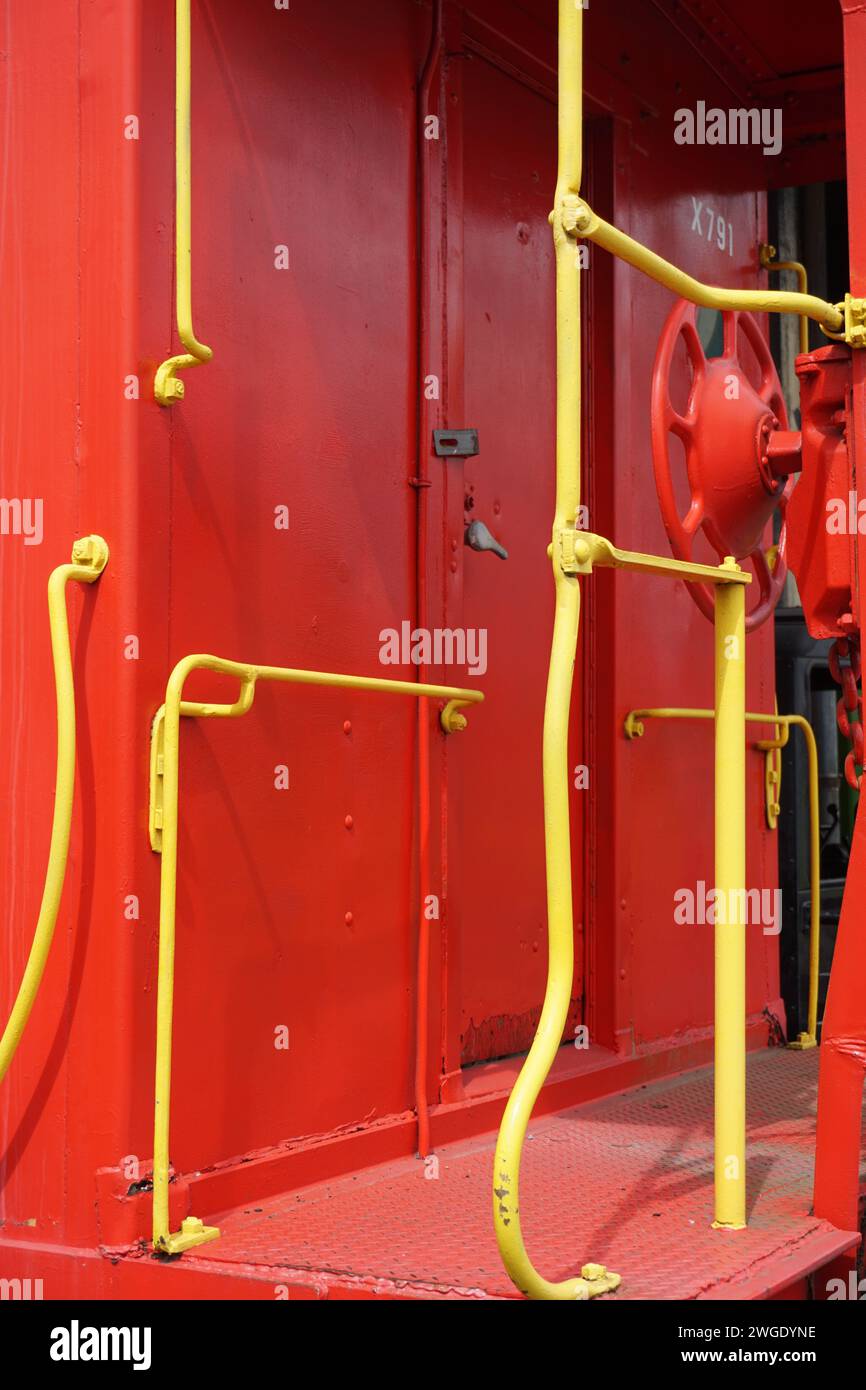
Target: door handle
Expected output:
[478,537]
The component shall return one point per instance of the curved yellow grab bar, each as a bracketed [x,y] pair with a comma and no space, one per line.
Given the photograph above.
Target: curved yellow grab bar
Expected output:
[560,967]
[165,768]
[767,256]
[581,221]
[89,558]
[634,729]
[167,387]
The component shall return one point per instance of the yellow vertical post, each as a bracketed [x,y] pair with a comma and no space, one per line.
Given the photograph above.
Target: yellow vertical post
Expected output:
[730,882]
[594,1279]
[193,1231]
[165,973]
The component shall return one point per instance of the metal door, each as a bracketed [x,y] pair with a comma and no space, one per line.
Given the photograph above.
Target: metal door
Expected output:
[509,152]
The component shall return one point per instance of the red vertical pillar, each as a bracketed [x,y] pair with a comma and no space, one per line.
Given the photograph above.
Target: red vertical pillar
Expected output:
[843,1044]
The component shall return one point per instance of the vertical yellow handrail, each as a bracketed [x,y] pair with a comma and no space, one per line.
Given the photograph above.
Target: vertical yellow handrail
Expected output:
[767,255]
[579,552]
[560,968]
[89,558]
[730,933]
[809,1038]
[167,386]
[633,726]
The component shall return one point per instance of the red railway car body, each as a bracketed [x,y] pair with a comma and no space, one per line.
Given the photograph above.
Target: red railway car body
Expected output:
[361,945]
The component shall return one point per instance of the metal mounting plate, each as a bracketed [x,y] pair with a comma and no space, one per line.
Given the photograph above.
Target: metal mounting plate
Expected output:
[455,443]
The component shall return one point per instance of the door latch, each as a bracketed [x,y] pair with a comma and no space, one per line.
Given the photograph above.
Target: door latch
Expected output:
[478,537]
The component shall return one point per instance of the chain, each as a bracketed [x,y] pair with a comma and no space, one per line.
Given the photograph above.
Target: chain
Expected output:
[844,662]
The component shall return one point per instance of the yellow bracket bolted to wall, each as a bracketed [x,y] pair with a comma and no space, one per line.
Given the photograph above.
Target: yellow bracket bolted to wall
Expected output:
[634,728]
[89,558]
[163,830]
[167,385]
[845,321]
[581,551]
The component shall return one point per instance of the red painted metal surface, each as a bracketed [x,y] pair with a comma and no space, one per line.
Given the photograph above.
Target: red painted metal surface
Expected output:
[843,1055]
[627,1181]
[821,553]
[843,1048]
[305,135]
[509,169]
[429,92]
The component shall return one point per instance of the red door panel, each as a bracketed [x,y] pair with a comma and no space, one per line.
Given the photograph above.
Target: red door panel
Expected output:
[508,176]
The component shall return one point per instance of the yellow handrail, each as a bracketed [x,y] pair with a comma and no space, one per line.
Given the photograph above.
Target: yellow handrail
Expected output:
[89,558]
[729,1055]
[165,759]
[767,257]
[634,729]
[575,553]
[167,386]
[594,1279]
[583,222]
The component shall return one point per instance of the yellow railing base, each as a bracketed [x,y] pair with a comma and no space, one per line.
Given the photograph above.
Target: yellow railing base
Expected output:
[728,1226]
[803,1042]
[595,1280]
[192,1232]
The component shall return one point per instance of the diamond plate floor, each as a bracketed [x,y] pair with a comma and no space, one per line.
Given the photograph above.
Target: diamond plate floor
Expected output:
[626,1182]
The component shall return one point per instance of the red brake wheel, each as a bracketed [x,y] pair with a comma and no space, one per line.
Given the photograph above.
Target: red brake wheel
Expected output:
[727,432]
